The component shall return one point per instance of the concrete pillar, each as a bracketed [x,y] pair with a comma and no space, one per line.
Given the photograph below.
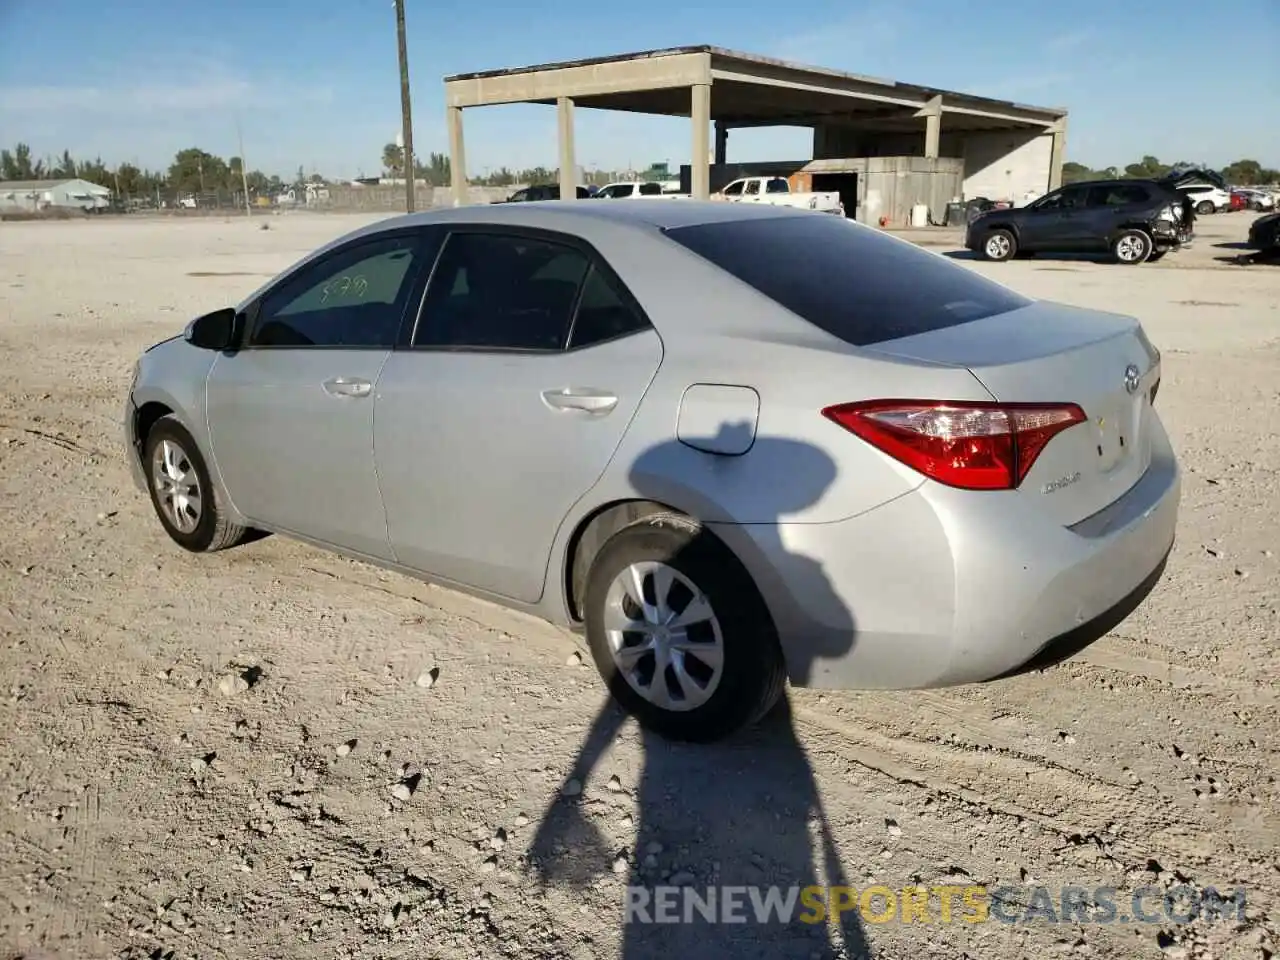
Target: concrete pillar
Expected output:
[568,166]
[457,156]
[1058,153]
[722,143]
[700,167]
[932,113]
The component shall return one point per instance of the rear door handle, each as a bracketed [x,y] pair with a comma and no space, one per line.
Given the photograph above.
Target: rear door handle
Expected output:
[348,387]
[580,398]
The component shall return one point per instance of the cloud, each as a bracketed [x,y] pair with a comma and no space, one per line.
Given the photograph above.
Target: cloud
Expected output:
[1066,42]
[218,89]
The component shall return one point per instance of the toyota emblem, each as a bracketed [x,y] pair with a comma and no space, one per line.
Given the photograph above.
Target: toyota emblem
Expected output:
[1132,378]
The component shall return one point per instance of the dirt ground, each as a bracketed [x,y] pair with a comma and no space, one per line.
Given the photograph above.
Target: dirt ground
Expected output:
[151,807]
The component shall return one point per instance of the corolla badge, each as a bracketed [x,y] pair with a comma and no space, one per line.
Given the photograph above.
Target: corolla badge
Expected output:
[1132,378]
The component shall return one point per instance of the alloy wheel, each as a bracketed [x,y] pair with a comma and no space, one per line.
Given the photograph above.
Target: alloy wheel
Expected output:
[998,247]
[1131,248]
[177,486]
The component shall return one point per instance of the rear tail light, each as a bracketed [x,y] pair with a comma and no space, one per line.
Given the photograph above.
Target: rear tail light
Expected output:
[974,446]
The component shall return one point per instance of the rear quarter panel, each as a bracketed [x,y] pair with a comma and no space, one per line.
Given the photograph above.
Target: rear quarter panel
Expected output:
[715,329]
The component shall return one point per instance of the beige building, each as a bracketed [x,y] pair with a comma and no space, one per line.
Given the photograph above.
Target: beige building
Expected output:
[883,145]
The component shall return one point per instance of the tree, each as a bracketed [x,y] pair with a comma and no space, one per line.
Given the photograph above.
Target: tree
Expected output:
[393,159]
[1149,168]
[195,171]
[1244,173]
[17,165]
[437,171]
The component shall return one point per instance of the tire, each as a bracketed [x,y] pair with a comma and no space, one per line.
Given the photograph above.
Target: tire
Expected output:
[999,245]
[752,673]
[1132,247]
[194,523]
[1256,207]
[1205,207]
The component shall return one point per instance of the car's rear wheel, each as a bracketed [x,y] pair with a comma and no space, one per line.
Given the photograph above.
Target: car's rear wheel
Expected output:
[182,493]
[1132,247]
[1204,206]
[1257,207]
[999,245]
[679,632]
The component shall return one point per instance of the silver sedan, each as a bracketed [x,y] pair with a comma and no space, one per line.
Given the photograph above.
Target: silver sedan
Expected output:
[735,445]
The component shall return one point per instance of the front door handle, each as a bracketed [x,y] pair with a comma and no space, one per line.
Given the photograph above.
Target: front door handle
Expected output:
[348,387]
[579,398]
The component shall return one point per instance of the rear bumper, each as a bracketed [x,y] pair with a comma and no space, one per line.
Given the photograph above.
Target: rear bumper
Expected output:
[942,587]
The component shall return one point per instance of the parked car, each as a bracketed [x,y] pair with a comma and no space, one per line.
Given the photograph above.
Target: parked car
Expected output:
[777,192]
[535,404]
[1264,233]
[1258,200]
[542,191]
[638,190]
[1207,199]
[1239,201]
[1137,221]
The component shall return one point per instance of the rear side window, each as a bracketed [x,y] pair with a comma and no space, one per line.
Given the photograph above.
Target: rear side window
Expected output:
[650,189]
[1118,195]
[777,185]
[850,281]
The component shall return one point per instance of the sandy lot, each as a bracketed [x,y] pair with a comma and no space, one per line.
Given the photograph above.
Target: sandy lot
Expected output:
[146,813]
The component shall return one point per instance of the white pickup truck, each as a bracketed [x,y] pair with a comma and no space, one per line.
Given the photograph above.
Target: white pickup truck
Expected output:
[640,190]
[777,191]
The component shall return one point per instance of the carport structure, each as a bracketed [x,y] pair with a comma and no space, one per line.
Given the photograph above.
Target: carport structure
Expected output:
[850,114]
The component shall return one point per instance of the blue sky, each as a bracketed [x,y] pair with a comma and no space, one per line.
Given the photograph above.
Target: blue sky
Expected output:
[315,83]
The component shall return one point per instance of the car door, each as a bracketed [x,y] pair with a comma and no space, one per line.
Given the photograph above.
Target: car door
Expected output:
[527,362]
[1109,207]
[291,413]
[1053,222]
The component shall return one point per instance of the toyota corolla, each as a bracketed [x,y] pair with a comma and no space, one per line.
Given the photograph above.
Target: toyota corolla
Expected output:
[734,445]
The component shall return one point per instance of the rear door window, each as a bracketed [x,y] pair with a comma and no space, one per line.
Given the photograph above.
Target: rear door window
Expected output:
[850,281]
[1118,195]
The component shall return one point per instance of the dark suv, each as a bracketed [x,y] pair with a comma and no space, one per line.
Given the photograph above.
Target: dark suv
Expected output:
[1135,220]
[541,191]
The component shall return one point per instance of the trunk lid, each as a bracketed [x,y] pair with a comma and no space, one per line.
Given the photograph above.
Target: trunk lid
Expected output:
[1053,353]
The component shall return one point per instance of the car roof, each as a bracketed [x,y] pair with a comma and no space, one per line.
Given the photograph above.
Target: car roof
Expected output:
[1116,181]
[575,214]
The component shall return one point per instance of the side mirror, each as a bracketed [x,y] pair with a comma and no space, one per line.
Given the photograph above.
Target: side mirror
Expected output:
[213,331]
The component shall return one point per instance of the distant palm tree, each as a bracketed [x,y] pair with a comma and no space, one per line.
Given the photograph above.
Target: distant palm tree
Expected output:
[393,159]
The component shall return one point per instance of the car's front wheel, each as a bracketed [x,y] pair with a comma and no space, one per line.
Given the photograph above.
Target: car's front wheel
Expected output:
[182,492]
[999,245]
[1132,247]
[1204,207]
[679,632]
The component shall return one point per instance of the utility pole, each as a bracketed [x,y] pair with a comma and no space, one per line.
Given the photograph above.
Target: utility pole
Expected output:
[244,177]
[405,111]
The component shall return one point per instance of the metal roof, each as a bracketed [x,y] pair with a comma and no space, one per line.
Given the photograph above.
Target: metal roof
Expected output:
[751,59]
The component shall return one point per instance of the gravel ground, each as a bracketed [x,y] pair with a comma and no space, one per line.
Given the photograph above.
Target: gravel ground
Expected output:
[274,752]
